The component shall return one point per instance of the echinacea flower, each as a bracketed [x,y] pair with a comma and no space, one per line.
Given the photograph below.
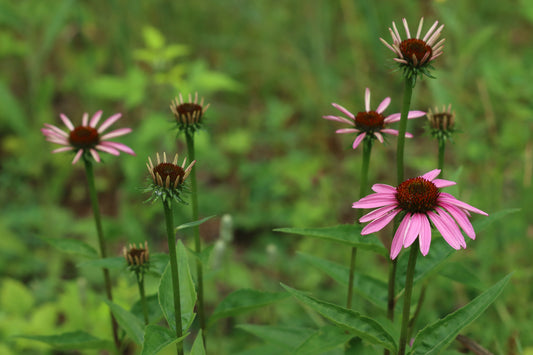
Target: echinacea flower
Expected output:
[369,123]
[414,54]
[441,122]
[188,114]
[422,203]
[87,139]
[168,179]
[137,257]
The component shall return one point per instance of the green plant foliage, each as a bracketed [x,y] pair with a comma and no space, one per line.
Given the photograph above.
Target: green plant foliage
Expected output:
[72,246]
[71,341]
[133,327]
[198,346]
[156,338]
[322,340]
[287,338]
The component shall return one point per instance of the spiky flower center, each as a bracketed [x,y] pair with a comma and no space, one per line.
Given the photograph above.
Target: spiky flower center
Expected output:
[84,137]
[136,256]
[417,195]
[370,121]
[188,112]
[416,48]
[166,170]
[442,121]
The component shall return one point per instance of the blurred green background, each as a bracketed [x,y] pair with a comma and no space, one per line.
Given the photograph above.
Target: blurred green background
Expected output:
[270,71]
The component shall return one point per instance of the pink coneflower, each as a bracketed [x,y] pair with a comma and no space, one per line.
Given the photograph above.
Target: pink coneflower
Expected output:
[86,138]
[414,51]
[421,201]
[370,123]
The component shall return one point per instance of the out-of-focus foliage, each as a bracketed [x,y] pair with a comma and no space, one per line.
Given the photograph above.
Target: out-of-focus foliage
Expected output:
[270,71]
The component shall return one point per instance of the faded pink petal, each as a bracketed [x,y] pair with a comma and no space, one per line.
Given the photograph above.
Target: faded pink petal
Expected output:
[343,110]
[367,99]
[122,147]
[109,122]
[77,156]
[95,119]
[347,130]
[116,133]
[383,188]
[377,213]
[358,140]
[375,200]
[67,122]
[106,149]
[339,119]
[383,105]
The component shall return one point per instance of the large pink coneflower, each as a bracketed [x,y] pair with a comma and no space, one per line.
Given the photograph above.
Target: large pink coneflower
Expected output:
[87,138]
[370,123]
[422,202]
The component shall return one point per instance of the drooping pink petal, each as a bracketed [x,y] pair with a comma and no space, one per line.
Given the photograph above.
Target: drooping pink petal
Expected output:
[446,197]
[431,174]
[425,236]
[122,147]
[343,110]
[440,183]
[461,218]
[77,156]
[367,99]
[452,225]
[109,122]
[347,130]
[413,230]
[66,121]
[415,114]
[383,105]
[384,188]
[116,133]
[378,224]
[379,136]
[95,155]
[399,236]
[444,230]
[377,213]
[390,131]
[56,130]
[95,119]
[339,119]
[358,140]
[62,149]
[109,150]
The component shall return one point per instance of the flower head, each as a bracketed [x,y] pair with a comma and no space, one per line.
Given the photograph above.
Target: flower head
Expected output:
[87,139]
[168,179]
[441,122]
[370,124]
[137,257]
[188,114]
[421,203]
[414,55]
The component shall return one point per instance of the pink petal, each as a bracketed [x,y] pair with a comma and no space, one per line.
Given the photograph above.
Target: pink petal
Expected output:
[431,174]
[390,131]
[109,122]
[388,45]
[406,28]
[343,110]
[452,225]
[358,140]
[95,155]
[122,147]
[413,230]
[375,201]
[77,156]
[58,140]
[95,119]
[379,136]
[383,105]
[347,130]
[377,213]
[339,119]
[367,99]
[62,149]
[440,183]
[430,30]
[395,117]
[461,219]
[415,114]
[56,130]
[67,122]
[109,150]
[378,224]
[383,188]
[85,119]
[116,133]
[446,197]
[444,231]
[425,236]
[419,27]
[399,236]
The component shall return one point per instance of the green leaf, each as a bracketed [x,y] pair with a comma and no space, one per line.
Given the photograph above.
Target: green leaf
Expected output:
[116,263]
[157,337]
[435,337]
[198,346]
[349,234]
[204,255]
[193,224]
[244,300]
[483,223]
[364,327]
[460,273]
[154,311]
[287,337]
[72,246]
[71,341]
[324,339]
[187,291]
[12,114]
[372,289]
[132,325]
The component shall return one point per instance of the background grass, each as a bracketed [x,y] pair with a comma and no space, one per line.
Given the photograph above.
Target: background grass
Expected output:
[270,71]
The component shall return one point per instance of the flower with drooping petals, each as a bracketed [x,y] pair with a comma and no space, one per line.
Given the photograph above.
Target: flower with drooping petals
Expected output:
[188,114]
[441,122]
[87,139]
[414,55]
[370,124]
[421,203]
[168,179]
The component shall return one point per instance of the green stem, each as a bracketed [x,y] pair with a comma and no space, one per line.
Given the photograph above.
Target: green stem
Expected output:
[140,282]
[367,149]
[197,243]
[101,242]
[417,311]
[169,218]
[442,148]
[409,274]
[407,94]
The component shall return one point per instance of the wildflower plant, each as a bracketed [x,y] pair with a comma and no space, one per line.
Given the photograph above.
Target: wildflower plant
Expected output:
[189,115]
[168,178]
[138,262]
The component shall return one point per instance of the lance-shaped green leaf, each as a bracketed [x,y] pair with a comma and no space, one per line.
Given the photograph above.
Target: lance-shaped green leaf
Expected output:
[288,338]
[372,289]
[132,325]
[71,341]
[437,336]
[193,224]
[362,326]
[323,340]
[72,246]
[187,291]
[349,234]
[157,337]
[460,273]
[244,300]
[198,346]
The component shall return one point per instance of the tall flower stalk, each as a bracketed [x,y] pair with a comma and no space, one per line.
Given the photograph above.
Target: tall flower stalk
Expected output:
[138,260]
[168,184]
[189,119]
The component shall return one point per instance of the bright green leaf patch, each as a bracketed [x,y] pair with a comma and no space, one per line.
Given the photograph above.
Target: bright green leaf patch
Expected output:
[349,234]
[72,246]
[244,300]
[362,326]
[71,341]
[198,346]
[437,336]
[133,327]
